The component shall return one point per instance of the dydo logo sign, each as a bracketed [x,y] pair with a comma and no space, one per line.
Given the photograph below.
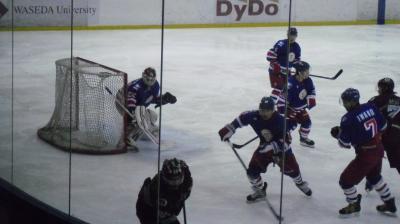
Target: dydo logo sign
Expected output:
[247,7]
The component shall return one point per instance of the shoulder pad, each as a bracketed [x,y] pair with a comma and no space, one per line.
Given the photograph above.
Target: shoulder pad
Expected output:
[344,119]
[289,85]
[372,99]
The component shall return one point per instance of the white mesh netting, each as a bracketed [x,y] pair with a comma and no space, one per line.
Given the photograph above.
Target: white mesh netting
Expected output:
[85,117]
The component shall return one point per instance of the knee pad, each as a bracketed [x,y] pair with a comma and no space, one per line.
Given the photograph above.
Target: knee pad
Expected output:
[374,180]
[306,123]
[252,173]
[344,185]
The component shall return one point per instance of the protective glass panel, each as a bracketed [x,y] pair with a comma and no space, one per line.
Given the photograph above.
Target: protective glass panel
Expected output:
[42,36]
[112,156]
[5,90]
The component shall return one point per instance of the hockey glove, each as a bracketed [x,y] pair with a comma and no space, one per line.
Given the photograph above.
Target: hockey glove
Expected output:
[335,132]
[311,102]
[291,114]
[166,98]
[226,132]
[276,68]
[277,157]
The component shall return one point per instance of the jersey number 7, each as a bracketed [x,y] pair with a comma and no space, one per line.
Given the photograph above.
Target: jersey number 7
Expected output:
[372,126]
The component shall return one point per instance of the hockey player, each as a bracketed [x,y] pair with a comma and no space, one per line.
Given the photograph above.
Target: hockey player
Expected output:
[277,57]
[389,104]
[175,187]
[268,125]
[301,96]
[140,94]
[361,127]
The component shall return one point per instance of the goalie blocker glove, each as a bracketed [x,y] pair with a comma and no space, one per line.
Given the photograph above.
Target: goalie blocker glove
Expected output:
[166,98]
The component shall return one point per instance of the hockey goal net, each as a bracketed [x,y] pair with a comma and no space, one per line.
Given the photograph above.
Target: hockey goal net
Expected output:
[85,117]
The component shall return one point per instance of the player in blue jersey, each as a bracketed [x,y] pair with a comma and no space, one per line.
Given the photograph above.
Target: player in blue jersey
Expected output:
[361,127]
[268,125]
[140,94]
[301,97]
[277,57]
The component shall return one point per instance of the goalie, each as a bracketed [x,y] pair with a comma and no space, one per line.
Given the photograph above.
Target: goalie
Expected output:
[140,94]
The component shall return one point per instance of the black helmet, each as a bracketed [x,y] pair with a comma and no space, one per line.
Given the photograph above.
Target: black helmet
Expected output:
[301,66]
[292,31]
[267,103]
[386,85]
[172,172]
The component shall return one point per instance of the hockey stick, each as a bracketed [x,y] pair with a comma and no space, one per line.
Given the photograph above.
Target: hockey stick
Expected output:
[141,125]
[271,208]
[330,78]
[184,213]
[236,146]
[237,155]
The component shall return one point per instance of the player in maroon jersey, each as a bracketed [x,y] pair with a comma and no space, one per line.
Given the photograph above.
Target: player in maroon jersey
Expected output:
[389,104]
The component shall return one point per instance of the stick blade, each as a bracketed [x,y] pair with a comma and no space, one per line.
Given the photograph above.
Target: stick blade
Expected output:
[338,74]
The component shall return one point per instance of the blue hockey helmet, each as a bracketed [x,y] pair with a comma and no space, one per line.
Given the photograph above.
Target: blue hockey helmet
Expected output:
[350,95]
[301,66]
[267,103]
[292,31]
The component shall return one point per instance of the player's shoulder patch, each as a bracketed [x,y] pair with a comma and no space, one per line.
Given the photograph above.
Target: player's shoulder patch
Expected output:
[136,86]
[344,119]
[289,85]
[280,43]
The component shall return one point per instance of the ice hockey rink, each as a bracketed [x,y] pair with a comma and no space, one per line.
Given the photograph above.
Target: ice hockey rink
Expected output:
[216,74]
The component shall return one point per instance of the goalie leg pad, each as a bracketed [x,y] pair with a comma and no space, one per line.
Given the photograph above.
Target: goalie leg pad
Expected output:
[143,120]
[152,116]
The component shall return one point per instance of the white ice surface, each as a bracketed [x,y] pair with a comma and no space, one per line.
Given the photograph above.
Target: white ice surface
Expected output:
[216,74]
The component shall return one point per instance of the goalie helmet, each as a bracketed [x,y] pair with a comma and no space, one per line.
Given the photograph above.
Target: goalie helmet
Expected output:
[385,85]
[172,172]
[149,76]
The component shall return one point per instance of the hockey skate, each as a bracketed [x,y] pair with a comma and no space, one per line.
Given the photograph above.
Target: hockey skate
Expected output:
[134,133]
[131,145]
[307,142]
[304,188]
[258,195]
[353,209]
[388,208]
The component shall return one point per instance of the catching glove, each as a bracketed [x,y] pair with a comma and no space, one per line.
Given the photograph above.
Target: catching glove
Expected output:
[166,98]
